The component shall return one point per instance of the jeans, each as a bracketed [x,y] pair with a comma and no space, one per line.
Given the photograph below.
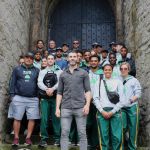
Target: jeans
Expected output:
[66,119]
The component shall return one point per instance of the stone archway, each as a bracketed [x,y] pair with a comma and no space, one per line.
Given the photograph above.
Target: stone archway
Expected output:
[42,11]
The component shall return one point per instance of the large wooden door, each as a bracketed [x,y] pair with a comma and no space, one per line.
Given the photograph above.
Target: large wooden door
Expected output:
[86,20]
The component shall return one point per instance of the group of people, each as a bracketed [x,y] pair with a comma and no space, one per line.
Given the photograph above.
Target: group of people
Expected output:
[90,95]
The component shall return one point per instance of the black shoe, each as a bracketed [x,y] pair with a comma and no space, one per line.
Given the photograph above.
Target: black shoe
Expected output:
[57,143]
[42,143]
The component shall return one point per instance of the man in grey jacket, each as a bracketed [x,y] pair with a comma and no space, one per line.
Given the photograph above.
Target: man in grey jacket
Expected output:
[74,96]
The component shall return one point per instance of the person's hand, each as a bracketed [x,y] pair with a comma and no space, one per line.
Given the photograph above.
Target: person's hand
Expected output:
[57,113]
[133,99]
[86,109]
[49,91]
[110,114]
[105,114]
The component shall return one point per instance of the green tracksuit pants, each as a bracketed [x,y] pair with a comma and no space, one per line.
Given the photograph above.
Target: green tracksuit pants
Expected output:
[48,108]
[110,130]
[130,116]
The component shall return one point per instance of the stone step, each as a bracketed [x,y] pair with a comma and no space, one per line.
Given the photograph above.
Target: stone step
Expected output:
[35,147]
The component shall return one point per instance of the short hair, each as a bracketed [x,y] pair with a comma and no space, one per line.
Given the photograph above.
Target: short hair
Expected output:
[78,51]
[86,50]
[112,53]
[74,51]
[127,64]
[40,41]
[125,48]
[21,57]
[107,65]
[95,56]
[51,55]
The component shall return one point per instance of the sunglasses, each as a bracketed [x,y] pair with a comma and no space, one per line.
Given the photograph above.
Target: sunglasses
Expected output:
[75,43]
[124,69]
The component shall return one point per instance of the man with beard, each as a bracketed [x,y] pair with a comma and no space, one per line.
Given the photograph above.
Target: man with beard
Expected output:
[37,59]
[124,53]
[74,97]
[116,67]
[92,132]
[59,60]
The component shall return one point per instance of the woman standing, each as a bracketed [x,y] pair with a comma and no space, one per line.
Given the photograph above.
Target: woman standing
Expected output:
[130,113]
[109,114]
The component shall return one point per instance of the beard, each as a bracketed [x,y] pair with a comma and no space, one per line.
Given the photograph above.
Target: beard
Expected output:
[94,67]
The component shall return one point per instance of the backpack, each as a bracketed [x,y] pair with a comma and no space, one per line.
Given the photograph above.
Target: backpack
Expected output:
[50,79]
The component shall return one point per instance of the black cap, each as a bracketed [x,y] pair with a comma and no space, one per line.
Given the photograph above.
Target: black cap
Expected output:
[29,54]
[105,50]
[112,43]
[59,48]
[95,45]
[65,44]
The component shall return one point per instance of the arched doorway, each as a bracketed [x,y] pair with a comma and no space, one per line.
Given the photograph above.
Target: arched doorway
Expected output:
[86,20]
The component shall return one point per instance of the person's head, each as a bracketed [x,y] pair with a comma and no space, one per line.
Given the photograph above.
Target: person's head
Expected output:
[99,48]
[59,52]
[45,53]
[80,56]
[76,44]
[65,47]
[87,55]
[40,44]
[52,44]
[113,45]
[125,69]
[37,56]
[28,59]
[93,52]
[72,58]
[119,46]
[21,60]
[44,63]
[50,60]
[94,61]
[104,53]
[112,59]
[108,69]
[124,52]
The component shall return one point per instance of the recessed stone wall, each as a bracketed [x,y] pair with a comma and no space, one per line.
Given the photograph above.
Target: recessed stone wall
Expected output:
[136,16]
[14,40]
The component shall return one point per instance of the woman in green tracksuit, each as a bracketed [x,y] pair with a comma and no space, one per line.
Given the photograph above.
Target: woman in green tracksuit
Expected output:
[130,112]
[109,115]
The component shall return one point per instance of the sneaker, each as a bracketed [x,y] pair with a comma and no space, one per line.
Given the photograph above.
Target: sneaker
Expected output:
[73,144]
[57,143]
[15,142]
[42,143]
[28,142]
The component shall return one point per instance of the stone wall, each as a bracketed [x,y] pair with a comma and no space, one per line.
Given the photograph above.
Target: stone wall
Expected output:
[14,40]
[137,37]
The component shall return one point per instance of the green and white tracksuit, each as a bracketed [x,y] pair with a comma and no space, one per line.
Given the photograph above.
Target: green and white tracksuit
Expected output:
[130,112]
[48,106]
[112,127]
[92,129]
[116,71]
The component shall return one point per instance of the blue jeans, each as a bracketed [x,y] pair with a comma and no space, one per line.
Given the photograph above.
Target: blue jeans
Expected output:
[66,119]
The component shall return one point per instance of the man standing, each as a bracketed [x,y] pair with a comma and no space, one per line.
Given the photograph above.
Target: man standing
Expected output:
[52,47]
[37,59]
[23,92]
[62,63]
[74,96]
[92,130]
[48,82]
[75,45]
